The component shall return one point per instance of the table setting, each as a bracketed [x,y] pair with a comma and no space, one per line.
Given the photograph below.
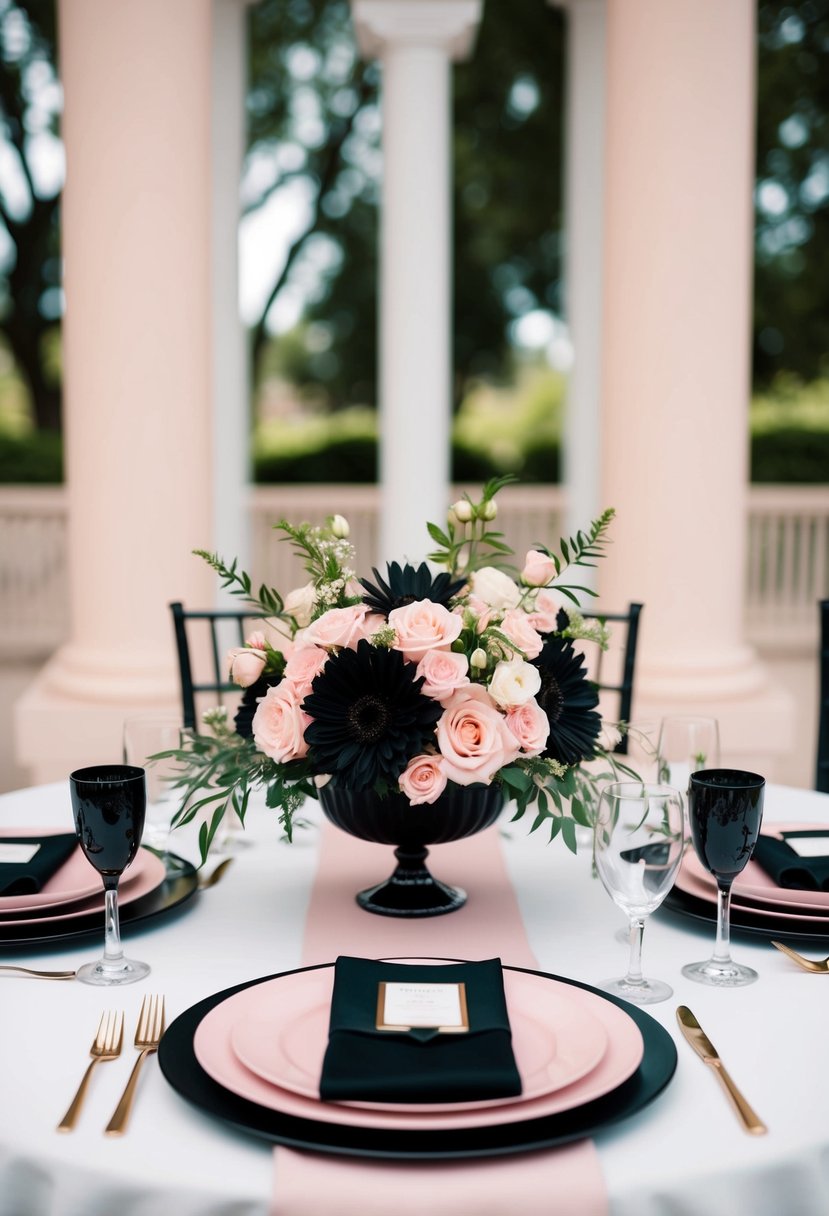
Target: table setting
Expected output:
[413,992]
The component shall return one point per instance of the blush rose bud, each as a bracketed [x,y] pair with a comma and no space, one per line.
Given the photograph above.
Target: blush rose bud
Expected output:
[462,510]
[339,526]
[539,569]
[245,665]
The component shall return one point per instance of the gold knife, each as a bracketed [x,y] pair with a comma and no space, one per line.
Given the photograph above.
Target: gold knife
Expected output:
[707,1052]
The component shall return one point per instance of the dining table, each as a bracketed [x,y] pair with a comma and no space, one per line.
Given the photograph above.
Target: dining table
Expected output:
[684,1153]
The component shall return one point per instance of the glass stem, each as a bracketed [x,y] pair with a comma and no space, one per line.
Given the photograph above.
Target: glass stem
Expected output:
[113,952]
[722,946]
[636,932]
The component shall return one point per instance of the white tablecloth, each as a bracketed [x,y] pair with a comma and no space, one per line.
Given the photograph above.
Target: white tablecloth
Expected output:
[684,1155]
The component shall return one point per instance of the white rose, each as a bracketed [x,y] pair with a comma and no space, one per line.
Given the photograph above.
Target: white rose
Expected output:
[495,588]
[514,682]
[300,604]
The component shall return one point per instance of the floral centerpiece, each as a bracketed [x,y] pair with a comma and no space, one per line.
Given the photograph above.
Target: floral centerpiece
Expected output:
[405,688]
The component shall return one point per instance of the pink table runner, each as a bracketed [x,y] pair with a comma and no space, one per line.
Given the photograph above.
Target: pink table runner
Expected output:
[566,1180]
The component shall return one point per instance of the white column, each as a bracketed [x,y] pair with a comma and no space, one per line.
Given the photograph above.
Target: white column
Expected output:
[137,367]
[415,40]
[584,221]
[675,372]
[231,372]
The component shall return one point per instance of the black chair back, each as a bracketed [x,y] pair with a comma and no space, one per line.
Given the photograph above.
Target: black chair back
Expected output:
[624,636]
[219,629]
[822,768]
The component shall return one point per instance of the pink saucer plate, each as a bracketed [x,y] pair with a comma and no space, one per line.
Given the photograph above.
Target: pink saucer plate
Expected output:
[559,1040]
[755,887]
[145,873]
[213,1046]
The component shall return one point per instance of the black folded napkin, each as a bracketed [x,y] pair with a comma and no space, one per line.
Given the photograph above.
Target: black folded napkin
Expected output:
[362,1062]
[28,877]
[787,868]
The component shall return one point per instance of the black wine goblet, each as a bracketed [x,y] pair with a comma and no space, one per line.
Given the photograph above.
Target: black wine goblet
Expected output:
[109,802]
[725,808]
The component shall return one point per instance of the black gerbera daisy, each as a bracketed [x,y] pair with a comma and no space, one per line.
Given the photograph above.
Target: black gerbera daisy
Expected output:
[569,700]
[369,716]
[407,584]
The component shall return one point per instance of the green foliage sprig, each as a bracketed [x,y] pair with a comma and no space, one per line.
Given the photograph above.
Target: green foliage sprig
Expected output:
[218,772]
[583,549]
[468,542]
[265,602]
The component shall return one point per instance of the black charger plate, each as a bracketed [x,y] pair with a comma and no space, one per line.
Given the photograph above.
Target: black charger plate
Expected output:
[184,1073]
[743,920]
[181,882]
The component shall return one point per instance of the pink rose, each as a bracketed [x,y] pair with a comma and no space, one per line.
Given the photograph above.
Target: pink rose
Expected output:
[424,780]
[443,672]
[423,625]
[337,627]
[305,663]
[473,737]
[542,615]
[256,640]
[519,630]
[539,569]
[531,727]
[245,666]
[370,625]
[279,725]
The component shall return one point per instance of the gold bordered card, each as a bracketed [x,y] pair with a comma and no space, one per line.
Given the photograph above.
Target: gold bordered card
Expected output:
[413,1006]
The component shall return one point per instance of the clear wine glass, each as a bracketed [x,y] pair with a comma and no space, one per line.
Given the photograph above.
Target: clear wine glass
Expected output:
[687,744]
[725,807]
[109,802]
[638,844]
[147,735]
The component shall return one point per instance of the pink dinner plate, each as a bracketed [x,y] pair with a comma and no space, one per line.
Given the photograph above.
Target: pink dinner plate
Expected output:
[754,886]
[146,873]
[214,1051]
[73,881]
[284,1041]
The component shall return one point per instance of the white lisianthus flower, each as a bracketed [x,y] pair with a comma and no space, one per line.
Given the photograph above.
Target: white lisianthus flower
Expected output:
[495,588]
[340,527]
[462,510]
[514,682]
[478,658]
[488,509]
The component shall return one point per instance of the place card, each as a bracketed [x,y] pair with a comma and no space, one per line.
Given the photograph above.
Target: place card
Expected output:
[808,845]
[18,854]
[408,1006]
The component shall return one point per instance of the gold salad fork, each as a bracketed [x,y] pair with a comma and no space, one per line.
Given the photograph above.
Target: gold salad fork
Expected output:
[41,975]
[816,966]
[105,1046]
[147,1037]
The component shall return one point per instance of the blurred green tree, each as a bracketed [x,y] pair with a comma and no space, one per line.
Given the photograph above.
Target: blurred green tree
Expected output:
[791,295]
[314,115]
[31,299]
[314,105]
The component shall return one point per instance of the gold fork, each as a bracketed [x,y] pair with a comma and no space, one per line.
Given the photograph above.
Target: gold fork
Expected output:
[41,975]
[817,966]
[105,1046]
[147,1037]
